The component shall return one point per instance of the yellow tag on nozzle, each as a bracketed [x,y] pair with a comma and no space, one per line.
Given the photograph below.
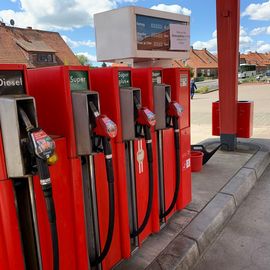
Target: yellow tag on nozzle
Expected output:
[52,159]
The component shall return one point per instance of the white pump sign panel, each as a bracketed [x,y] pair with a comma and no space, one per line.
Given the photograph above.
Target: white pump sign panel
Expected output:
[138,35]
[179,37]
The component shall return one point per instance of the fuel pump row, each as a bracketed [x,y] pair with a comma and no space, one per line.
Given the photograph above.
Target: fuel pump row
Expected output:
[92,162]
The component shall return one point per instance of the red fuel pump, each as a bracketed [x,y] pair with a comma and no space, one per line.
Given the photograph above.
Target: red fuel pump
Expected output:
[179,80]
[157,96]
[134,138]
[101,213]
[27,150]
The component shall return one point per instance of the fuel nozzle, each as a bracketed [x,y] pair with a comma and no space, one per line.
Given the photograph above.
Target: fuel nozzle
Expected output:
[146,117]
[143,118]
[42,145]
[174,110]
[103,125]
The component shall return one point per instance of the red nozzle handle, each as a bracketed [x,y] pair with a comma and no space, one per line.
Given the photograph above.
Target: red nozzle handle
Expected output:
[146,117]
[174,109]
[105,127]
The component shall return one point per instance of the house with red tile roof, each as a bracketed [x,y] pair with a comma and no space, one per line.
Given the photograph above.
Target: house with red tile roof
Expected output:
[202,62]
[261,60]
[34,48]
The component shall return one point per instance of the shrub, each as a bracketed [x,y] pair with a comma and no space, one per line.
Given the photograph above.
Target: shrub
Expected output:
[202,90]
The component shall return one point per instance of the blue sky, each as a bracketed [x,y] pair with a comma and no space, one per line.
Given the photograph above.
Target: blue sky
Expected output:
[73,19]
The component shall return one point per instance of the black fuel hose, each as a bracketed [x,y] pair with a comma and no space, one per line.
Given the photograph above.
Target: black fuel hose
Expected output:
[110,179]
[177,169]
[149,150]
[46,186]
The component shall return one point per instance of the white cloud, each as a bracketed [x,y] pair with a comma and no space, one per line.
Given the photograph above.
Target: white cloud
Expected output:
[258,11]
[245,41]
[210,45]
[173,9]
[263,48]
[13,1]
[57,15]
[127,1]
[74,44]
[258,31]
[90,57]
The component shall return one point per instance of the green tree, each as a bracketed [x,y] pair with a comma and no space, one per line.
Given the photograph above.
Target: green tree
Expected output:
[104,64]
[83,60]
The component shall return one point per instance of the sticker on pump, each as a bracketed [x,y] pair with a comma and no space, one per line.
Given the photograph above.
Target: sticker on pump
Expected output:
[110,126]
[188,163]
[140,156]
[151,117]
[178,107]
[43,144]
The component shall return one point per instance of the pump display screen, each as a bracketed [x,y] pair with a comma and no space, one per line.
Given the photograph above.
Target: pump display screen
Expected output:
[162,34]
[124,78]
[78,80]
[11,82]
[156,77]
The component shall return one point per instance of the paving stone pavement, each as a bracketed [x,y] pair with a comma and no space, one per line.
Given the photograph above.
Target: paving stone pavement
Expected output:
[245,241]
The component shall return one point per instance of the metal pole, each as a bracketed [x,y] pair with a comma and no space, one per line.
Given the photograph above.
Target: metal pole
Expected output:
[35,222]
[133,191]
[228,23]
[161,173]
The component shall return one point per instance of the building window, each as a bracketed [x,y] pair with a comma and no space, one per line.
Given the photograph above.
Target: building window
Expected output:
[45,57]
[202,71]
[208,72]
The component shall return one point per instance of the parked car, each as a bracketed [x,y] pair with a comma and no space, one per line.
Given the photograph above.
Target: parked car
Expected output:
[266,77]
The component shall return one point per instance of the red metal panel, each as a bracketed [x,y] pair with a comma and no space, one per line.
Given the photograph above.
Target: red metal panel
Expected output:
[78,202]
[62,194]
[228,23]
[142,78]
[121,184]
[179,80]
[142,188]
[169,167]
[245,119]
[105,81]
[185,192]
[11,245]
[51,88]
[215,119]
[3,251]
